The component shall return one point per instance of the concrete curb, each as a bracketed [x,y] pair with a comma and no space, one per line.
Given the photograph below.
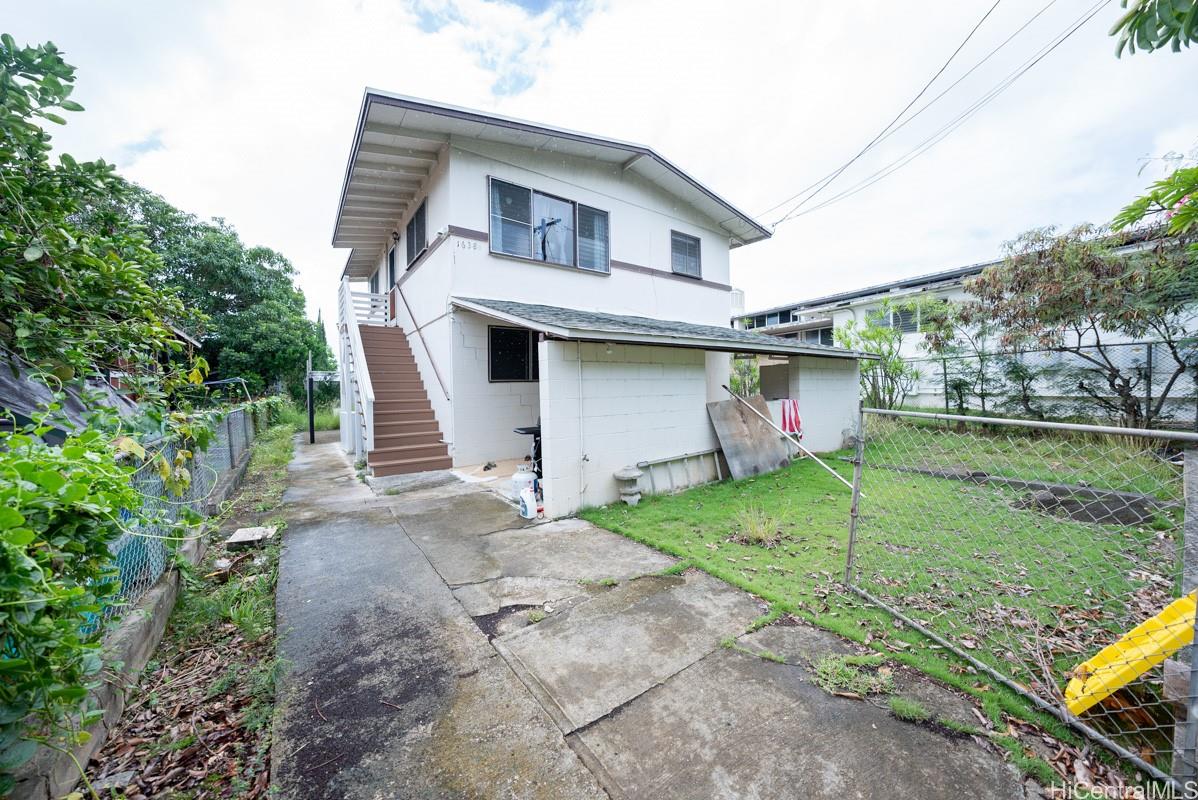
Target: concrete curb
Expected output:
[50,774]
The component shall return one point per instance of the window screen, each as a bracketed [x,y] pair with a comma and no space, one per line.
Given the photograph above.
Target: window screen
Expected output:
[592,239]
[905,320]
[512,354]
[511,219]
[553,229]
[417,240]
[684,254]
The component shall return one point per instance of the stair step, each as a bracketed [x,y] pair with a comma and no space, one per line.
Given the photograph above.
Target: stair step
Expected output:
[405,426]
[387,394]
[410,465]
[384,440]
[384,406]
[382,417]
[382,455]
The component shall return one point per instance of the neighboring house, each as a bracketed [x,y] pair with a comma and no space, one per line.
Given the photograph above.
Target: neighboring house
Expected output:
[813,322]
[520,273]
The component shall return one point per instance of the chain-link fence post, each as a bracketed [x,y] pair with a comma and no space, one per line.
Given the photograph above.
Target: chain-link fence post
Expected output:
[1185,739]
[858,459]
[232,442]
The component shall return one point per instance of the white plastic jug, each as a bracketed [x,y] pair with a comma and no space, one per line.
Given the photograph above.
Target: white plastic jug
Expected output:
[528,502]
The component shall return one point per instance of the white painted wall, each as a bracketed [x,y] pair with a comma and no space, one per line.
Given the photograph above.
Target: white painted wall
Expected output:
[828,390]
[634,404]
[485,413]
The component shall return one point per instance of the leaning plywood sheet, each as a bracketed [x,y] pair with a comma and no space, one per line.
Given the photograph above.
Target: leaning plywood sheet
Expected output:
[750,446]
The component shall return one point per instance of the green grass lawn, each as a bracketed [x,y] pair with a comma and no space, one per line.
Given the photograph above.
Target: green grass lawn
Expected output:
[962,558]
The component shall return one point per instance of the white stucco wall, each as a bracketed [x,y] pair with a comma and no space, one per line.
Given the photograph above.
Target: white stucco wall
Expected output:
[485,413]
[636,403]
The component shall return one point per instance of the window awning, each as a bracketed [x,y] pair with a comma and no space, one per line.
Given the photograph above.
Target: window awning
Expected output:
[594,326]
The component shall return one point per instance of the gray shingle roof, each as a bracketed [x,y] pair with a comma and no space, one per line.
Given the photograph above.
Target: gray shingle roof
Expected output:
[570,323]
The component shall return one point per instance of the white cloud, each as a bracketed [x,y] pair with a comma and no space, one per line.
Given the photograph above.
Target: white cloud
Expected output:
[252,107]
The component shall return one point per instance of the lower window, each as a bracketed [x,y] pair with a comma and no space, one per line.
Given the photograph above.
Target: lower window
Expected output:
[511,354]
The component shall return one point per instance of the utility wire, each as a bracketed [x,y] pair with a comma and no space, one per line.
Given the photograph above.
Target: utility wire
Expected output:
[956,122]
[926,105]
[899,116]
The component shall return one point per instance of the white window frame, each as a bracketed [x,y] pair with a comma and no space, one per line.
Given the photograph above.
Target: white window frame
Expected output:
[574,205]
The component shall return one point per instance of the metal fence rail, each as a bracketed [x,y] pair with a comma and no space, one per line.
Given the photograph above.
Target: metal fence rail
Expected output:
[1126,383]
[144,552]
[1043,554]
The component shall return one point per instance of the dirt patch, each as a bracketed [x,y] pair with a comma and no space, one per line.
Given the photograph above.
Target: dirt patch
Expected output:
[501,622]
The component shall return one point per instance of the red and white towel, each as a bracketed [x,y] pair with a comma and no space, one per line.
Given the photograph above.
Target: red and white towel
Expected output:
[791,422]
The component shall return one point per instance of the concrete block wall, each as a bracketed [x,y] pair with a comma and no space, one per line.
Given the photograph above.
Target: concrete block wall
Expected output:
[634,403]
[828,390]
[485,413]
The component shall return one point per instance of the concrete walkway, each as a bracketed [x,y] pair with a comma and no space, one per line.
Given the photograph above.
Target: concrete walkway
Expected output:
[414,670]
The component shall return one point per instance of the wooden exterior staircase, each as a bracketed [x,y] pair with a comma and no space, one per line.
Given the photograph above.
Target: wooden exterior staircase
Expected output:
[406,435]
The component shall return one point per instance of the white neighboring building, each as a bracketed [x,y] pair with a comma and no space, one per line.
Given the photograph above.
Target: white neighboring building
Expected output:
[523,274]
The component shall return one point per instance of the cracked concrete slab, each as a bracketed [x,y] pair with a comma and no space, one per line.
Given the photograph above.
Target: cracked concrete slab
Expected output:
[737,726]
[467,548]
[390,689]
[482,599]
[606,651]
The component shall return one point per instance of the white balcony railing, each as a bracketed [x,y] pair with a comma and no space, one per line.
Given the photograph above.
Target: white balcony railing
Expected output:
[357,393]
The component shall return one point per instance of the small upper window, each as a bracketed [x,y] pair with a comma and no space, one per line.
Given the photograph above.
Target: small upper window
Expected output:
[511,354]
[390,268]
[684,254]
[374,282]
[417,240]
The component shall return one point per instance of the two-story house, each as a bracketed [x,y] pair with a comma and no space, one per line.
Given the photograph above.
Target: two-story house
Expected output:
[522,275]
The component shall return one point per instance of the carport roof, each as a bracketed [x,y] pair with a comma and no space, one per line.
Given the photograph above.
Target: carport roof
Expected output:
[571,323]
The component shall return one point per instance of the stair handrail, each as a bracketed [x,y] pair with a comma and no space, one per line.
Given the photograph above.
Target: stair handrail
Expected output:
[361,373]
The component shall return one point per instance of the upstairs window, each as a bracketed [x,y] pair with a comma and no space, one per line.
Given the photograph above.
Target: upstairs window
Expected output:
[905,320]
[390,268]
[417,239]
[543,227]
[593,244]
[511,355]
[684,255]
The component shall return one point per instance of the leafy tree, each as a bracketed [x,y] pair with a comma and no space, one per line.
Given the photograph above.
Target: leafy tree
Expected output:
[1152,24]
[745,379]
[74,301]
[888,379]
[1071,293]
[256,327]
[965,342]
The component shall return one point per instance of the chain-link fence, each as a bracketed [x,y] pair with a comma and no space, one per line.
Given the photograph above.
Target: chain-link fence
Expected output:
[145,551]
[1137,384]
[1049,556]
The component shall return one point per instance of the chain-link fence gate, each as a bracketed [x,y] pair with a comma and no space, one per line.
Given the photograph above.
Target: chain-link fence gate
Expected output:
[1050,557]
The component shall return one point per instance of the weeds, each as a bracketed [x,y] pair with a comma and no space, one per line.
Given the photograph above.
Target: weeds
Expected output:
[908,710]
[856,676]
[755,525]
[536,615]
[731,643]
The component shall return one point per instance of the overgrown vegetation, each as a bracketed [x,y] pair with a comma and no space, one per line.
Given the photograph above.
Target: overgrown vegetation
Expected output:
[888,378]
[217,662]
[296,416]
[855,676]
[908,710]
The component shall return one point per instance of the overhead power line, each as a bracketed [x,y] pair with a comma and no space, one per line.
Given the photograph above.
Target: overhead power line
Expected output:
[835,173]
[926,105]
[945,130]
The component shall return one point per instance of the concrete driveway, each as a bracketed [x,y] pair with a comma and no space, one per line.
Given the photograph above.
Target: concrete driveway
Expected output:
[415,669]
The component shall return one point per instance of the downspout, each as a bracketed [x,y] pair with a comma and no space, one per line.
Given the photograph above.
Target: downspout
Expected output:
[582,455]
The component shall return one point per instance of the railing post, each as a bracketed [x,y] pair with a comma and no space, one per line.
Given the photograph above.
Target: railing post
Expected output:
[858,462]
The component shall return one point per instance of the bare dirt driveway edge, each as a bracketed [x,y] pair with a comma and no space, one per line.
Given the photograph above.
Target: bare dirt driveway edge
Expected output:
[416,669]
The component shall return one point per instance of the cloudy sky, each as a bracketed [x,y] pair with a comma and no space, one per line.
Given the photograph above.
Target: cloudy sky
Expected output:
[245,109]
